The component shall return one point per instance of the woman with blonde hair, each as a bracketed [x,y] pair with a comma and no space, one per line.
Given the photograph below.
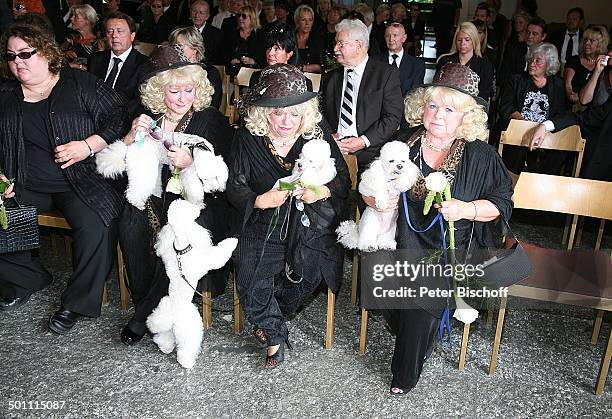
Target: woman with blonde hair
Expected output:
[466,50]
[84,40]
[177,95]
[310,45]
[447,135]
[287,244]
[579,68]
[243,48]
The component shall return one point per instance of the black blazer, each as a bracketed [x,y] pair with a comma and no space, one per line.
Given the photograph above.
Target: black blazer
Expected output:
[412,70]
[513,62]
[379,104]
[557,38]
[212,39]
[134,69]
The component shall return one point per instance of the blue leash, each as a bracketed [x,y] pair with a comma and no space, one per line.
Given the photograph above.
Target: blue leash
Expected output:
[445,322]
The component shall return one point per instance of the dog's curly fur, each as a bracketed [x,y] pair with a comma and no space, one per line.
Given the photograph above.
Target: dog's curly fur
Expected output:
[143,161]
[176,321]
[390,174]
[315,164]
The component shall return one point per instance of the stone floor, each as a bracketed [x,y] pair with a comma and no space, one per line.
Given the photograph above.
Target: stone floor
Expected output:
[547,365]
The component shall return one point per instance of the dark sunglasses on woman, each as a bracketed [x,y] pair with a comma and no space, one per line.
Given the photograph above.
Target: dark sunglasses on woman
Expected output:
[24,55]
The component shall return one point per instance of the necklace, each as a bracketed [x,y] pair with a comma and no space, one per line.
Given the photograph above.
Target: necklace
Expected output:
[283,143]
[42,93]
[174,121]
[433,147]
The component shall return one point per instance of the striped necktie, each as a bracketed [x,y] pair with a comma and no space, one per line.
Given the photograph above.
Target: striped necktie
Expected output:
[346,111]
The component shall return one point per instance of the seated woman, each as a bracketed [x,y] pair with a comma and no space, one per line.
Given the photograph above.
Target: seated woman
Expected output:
[276,244]
[177,95]
[466,50]
[310,45]
[281,48]
[84,40]
[191,42]
[243,46]
[54,119]
[599,87]
[156,25]
[448,132]
[579,68]
[536,96]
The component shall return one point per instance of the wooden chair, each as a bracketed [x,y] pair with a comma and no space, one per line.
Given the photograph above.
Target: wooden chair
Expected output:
[145,48]
[573,196]
[55,220]
[225,85]
[240,80]
[315,78]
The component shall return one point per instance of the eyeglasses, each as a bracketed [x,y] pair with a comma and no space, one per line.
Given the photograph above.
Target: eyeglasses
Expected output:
[24,55]
[19,7]
[244,16]
[342,44]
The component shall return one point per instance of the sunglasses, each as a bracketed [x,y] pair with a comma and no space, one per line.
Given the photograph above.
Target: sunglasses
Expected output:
[24,55]
[156,6]
[244,16]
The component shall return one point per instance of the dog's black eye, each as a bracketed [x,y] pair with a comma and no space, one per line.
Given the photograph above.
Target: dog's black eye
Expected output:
[391,161]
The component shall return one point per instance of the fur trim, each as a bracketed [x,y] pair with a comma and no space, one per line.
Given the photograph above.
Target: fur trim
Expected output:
[348,234]
[110,162]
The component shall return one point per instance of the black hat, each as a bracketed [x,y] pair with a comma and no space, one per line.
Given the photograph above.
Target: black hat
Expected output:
[461,78]
[168,57]
[279,86]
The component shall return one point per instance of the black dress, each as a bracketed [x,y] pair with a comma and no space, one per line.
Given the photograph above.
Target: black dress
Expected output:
[581,73]
[137,233]
[479,175]
[313,51]
[303,255]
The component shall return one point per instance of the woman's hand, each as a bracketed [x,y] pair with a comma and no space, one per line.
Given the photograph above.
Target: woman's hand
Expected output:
[247,60]
[179,157]
[392,202]
[9,193]
[455,210]
[272,199]
[536,136]
[602,62]
[141,123]
[71,153]
[308,196]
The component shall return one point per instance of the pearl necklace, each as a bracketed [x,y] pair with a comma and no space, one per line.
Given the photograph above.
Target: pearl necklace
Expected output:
[283,143]
[433,147]
[174,121]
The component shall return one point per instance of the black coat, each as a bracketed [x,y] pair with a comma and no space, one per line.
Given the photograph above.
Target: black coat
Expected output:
[412,70]
[80,105]
[513,62]
[212,40]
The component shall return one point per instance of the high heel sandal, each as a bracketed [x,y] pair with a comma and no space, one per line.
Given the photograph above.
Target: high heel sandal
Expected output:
[396,391]
[274,360]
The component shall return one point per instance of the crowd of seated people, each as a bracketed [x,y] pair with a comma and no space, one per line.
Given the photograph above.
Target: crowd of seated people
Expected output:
[489,70]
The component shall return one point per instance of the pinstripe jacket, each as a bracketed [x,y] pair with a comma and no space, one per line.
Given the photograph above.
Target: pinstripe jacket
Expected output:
[80,105]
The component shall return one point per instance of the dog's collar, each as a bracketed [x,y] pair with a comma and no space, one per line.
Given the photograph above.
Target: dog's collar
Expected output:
[183,251]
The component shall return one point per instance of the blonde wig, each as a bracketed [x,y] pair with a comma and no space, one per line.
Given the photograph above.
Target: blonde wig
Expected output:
[470,30]
[152,90]
[256,118]
[474,125]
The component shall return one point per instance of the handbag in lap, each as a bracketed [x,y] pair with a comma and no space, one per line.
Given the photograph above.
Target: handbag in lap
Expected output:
[22,231]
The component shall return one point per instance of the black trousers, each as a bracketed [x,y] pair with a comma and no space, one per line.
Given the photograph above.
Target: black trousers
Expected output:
[94,250]
[415,334]
[265,305]
[549,162]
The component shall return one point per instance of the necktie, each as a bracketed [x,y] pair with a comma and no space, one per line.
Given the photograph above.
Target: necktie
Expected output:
[570,47]
[346,111]
[394,56]
[110,79]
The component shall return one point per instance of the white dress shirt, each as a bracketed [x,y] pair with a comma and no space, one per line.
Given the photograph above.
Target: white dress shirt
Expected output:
[111,62]
[575,46]
[351,131]
[219,17]
[399,57]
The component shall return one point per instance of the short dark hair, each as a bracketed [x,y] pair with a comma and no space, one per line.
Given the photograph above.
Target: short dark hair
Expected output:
[283,36]
[37,39]
[484,6]
[576,10]
[120,15]
[281,4]
[538,21]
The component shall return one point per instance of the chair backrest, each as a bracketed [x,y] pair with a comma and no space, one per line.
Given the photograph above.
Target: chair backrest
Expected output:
[145,48]
[315,78]
[240,80]
[568,139]
[225,84]
[351,162]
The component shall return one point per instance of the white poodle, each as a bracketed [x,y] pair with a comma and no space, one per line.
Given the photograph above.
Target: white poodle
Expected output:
[143,161]
[315,166]
[389,175]
[188,254]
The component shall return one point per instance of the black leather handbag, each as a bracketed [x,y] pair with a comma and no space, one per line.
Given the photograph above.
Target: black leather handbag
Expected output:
[22,231]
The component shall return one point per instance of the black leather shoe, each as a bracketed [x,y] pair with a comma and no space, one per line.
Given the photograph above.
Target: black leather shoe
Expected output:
[62,321]
[129,337]
[12,303]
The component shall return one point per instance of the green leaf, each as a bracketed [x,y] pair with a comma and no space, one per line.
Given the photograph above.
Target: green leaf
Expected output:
[447,192]
[428,201]
[286,186]
[3,219]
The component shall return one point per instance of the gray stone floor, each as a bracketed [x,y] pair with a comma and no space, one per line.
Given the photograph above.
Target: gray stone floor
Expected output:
[547,366]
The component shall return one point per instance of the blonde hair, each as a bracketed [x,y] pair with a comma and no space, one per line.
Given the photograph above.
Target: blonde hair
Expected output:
[470,30]
[248,10]
[474,125]
[256,119]
[152,90]
[598,32]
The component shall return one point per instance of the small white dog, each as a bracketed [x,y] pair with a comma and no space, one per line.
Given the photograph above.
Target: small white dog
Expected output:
[389,175]
[188,254]
[315,166]
[143,160]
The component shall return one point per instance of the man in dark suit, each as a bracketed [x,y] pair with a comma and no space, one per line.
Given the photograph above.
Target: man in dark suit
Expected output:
[362,100]
[412,69]
[122,67]
[200,12]
[567,40]
[230,24]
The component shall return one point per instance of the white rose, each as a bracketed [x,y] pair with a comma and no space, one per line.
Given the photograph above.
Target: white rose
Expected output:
[464,313]
[436,182]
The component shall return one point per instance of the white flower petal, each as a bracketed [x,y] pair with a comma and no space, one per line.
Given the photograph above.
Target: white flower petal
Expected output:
[436,181]
[464,313]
